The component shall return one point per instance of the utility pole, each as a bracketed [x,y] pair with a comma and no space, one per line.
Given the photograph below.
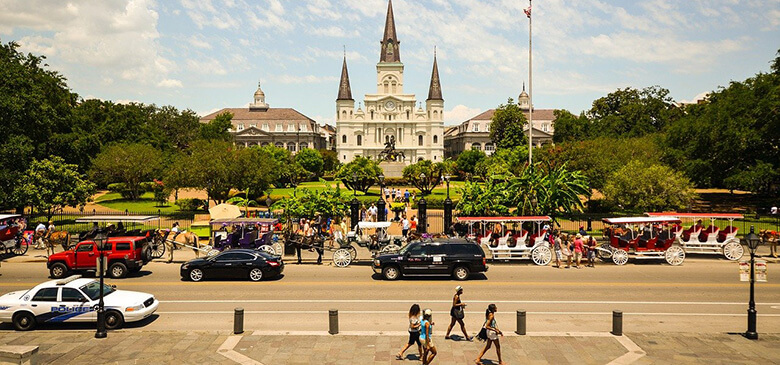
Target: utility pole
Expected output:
[530,85]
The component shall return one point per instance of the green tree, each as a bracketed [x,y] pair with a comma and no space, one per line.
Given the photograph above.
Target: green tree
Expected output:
[218,128]
[287,171]
[212,166]
[760,178]
[468,160]
[360,174]
[569,127]
[504,162]
[330,161]
[487,199]
[253,171]
[640,187]
[51,185]
[311,161]
[424,175]
[506,127]
[307,202]
[177,176]
[550,190]
[131,164]
[632,113]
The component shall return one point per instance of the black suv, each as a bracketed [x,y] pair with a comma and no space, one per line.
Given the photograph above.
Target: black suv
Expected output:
[456,257]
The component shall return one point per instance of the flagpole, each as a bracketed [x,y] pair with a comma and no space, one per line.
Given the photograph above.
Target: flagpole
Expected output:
[530,86]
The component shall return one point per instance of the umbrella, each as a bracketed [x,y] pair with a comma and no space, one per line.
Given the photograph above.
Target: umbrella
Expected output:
[223,211]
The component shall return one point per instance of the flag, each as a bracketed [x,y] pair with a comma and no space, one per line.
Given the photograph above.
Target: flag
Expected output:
[527,12]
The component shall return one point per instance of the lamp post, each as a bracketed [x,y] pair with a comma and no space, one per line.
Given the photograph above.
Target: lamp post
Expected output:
[354,205]
[422,211]
[381,215]
[447,207]
[752,241]
[100,240]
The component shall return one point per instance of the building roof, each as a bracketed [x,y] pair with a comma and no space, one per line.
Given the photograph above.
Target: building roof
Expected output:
[434,91]
[272,114]
[345,90]
[539,114]
[390,37]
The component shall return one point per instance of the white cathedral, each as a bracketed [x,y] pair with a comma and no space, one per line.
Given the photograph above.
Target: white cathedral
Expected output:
[390,114]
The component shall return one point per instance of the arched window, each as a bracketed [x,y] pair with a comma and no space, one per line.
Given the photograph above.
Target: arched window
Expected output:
[435,139]
[359,140]
[291,146]
[420,140]
[435,115]
[420,159]
[303,145]
[407,114]
[264,144]
[344,139]
[343,114]
[387,87]
[476,146]
[372,115]
[393,85]
[279,144]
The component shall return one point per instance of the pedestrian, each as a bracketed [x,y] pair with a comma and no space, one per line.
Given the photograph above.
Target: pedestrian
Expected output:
[583,232]
[363,213]
[557,249]
[578,250]
[414,332]
[591,251]
[490,333]
[568,249]
[457,313]
[406,195]
[405,226]
[426,332]
[413,224]
[40,232]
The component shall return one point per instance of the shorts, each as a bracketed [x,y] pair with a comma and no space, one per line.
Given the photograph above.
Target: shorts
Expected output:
[492,335]
[559,254]
[577,255]
[414,337]
[592,255]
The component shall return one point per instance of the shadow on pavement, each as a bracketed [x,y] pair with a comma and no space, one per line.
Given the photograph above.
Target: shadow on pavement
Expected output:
[473,277]
[273,278]
[70,326]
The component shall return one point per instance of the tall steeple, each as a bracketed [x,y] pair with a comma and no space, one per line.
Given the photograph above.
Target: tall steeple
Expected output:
[434,92]
[391,52]
[345,90]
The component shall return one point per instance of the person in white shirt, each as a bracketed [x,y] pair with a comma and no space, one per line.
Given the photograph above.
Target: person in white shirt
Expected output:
[40,232]
[405,226]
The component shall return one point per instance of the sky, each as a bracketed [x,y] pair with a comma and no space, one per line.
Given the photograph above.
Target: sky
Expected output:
[206,55]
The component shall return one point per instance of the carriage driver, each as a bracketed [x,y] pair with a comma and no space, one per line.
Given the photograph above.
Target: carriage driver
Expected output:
[40,232]
[176,231]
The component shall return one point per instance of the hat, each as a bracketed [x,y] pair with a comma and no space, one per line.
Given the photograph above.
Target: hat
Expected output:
[579,235]
[428,312]
[458,288]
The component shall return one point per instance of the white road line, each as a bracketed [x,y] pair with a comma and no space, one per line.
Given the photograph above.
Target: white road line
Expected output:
[676,314]
[313,301]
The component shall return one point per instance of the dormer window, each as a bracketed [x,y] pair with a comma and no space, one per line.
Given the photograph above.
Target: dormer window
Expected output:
[265,127]
[476,127]
[279,127]
[240,127]
[291,127]
[304,128]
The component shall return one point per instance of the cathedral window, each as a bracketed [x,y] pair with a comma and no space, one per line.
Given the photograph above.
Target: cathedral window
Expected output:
[387,87]
[359,140]
[393,85]
[344,114]
[372,115]
[344,139]
[419,140]
[435,139]
[291,147]
[407,114]
[240,127]
[435,115]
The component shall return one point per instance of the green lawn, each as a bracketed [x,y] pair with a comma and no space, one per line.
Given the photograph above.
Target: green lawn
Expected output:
[145,204]
[373,192]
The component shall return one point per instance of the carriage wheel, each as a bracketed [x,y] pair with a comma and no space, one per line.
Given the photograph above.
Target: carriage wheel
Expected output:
[606,252]
[675,255]
[733,250]
[620,257]
[278,248]
[353,252]
[158,249]
[19,248]
[212,253]
[267,249]
[541,255]
[393,248]
[342,257]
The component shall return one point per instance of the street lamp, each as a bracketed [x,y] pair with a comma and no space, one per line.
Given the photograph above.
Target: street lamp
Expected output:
[354,184]
[100,240]
[752,241]
[380,204]
[446,179]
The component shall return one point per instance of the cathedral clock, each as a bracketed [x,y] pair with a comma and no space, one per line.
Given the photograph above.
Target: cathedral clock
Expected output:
[390,105]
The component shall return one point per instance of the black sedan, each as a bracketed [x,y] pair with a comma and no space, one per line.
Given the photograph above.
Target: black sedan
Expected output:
[232,264]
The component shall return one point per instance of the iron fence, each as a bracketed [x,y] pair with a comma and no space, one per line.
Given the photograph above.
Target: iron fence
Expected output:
[65,220]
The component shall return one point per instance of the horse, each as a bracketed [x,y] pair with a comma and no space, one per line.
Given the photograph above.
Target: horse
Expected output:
[771,237]
[183,238]
[60,237]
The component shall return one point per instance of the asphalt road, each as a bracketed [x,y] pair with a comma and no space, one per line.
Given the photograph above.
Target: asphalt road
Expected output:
[702,295]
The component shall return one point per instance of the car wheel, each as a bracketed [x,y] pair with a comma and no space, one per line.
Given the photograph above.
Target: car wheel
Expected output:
[196,275]
[117,270]
[461,273]
[113,320]
[58,270]
[391,272]
[24,321]
[256,274]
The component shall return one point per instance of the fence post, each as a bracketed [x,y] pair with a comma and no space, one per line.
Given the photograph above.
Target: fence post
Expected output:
[520,322]
[447,215]
[381,214]
[617,323]
[238,321]
[354,210]
[590,224]
[333,321]
[422,216]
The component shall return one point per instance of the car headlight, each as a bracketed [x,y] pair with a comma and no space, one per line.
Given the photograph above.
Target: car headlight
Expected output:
[377,263]
[134,308]
[185,266]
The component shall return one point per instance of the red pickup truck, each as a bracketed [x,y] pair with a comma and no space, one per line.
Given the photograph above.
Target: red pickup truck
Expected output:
[123,254]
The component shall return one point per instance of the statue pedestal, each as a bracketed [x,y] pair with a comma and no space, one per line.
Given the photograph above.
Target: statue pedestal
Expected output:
[392,169]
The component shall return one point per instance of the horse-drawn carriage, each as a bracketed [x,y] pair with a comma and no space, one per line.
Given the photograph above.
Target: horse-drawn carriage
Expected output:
[642,238]
[247,233]
[513,242]
[709,240]
[115,226]
[11,237]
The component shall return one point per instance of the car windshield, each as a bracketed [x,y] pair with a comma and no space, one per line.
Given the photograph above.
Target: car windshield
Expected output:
[406,248]
[92,290]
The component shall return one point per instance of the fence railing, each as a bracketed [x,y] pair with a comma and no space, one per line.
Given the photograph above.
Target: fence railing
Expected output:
[66,220]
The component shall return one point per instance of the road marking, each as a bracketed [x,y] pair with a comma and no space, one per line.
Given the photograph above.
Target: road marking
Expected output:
[316,301]
[226,350]
[418,283]
[648,314]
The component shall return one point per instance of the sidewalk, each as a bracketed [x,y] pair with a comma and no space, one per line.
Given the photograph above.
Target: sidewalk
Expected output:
[168,347]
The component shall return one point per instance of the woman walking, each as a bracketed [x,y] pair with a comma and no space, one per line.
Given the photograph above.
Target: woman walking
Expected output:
[457,313]
[490,333]
[426,331]
[414,332]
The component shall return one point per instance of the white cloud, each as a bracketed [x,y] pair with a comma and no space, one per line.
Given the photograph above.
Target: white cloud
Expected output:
[170,83]
[206,66]
[307,79]
[199,42]
[459,114]
[333,31]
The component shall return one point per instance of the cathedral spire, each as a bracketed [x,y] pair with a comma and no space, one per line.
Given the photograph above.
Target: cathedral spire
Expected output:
[434,92]
[345,90]
[390,45]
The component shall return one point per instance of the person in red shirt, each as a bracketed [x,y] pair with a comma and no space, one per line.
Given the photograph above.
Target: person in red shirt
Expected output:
[413,223]
[577,250]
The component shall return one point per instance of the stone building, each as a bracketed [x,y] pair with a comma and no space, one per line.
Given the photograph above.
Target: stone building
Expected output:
[261,125]
[475,132]
[390,113]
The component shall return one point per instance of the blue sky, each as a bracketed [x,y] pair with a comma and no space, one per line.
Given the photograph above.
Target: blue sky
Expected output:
[209,54]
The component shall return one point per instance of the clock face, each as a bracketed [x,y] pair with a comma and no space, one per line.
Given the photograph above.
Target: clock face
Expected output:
[390,105]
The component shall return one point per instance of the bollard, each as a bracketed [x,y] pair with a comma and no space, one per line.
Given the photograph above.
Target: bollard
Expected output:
[520,322]
[333,321]
[617,323]
[238,321]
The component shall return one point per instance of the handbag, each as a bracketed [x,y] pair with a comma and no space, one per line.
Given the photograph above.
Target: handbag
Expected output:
[482,335]
[459,313]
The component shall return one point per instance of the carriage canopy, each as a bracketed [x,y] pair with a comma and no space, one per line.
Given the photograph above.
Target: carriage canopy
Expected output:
[637,220]
[259,221]
[363,225]
[117,218]
[697,215]
[519,219]
[9,216]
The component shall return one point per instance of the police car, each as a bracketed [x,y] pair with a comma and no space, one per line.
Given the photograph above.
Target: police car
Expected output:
[74,299]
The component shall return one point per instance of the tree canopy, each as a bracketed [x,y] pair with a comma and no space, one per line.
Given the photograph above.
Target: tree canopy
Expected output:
[360,174]
[506,127]
[642,187]
[128,163]
[50,185]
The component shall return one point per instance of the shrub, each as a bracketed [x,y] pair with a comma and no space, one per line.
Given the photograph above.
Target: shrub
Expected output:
[120,188]
[395,181]
[191,204]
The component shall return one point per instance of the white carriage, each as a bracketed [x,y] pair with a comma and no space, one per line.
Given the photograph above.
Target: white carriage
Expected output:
[642,238]
[709,240]
[512,243]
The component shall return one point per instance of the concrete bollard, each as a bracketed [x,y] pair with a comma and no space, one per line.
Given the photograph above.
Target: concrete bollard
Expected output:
[238,321]
[520,322]
[333,321]
[617,323]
